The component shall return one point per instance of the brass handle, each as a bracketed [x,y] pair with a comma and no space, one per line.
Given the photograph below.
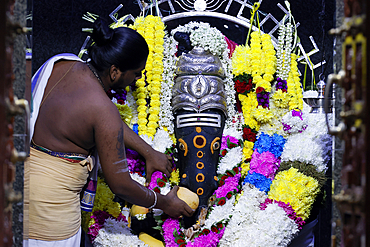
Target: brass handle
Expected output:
[18,156]
[19,107]
[338,79]
[22,103]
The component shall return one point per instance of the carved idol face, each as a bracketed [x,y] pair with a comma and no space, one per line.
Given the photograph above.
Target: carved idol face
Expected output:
[198,102]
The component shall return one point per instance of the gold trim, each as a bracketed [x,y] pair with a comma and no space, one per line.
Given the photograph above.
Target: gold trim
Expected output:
[185,146]
[201,179]
[200,191]
[200,165]
[213,142]
[204,141]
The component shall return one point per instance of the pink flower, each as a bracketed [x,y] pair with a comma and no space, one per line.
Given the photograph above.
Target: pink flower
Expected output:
[169,225]
[265,164]
[224,141]
[231,184]
[153,181]
[209,240]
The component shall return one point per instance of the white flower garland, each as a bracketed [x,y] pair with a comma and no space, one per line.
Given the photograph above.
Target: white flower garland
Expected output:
[169,65]
[231,159]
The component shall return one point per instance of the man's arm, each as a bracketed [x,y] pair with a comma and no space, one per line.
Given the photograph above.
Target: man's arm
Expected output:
[109,139]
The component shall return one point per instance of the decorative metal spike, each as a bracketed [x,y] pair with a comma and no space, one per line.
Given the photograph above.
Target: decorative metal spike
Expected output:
[111,15]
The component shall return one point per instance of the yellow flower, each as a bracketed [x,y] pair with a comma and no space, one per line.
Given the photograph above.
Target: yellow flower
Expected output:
[154,110]
[245,168]
[175,177]
[281,99]
[125,113]
[295,188]
[247,149]
[262,115]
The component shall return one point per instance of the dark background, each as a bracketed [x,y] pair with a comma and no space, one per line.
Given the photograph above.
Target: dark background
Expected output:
[57,28]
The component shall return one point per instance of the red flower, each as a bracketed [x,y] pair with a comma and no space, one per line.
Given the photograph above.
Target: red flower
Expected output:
[156,189]
[221,202]
[249,135]
[240,87]
[183,245]
[206,231]
[121,102]
[222,182]
[236,170]
[161,184]
[179,241]
[224,177]
[224,152]
[220,226]
[230,174]
[246,131]
[248,87]
[164,179]
[260,90]
[228,196]
[214,229]
[232,145]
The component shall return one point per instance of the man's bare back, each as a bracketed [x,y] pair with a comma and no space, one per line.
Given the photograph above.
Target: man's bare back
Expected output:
[69,112]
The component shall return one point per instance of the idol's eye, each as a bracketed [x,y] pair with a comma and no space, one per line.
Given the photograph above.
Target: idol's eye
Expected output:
[215,145]
[183,146]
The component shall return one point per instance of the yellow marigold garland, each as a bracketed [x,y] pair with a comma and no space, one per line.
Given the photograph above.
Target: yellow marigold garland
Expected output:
[291,186]
[240,60]
[152,29]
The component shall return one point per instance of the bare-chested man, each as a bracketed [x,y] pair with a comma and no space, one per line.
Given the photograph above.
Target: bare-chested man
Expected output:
[74,115]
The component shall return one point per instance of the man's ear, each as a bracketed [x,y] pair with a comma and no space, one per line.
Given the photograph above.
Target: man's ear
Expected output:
[114,73]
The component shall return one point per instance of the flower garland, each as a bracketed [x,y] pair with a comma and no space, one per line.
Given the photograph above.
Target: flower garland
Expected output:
[149,86]
[169,60]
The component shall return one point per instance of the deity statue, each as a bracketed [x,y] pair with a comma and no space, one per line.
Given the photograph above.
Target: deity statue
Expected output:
[199,107]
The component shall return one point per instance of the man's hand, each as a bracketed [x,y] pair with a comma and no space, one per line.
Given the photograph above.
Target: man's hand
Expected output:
[157,161]
[176,207]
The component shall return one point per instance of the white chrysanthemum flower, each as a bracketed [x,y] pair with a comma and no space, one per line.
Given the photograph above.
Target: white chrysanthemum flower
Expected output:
[249,224]
[116,233]
[312,145]
[162,141]
[220,213]
[231,159]
[136,177]
[147,139]
[166,189]
[310,94]
[233,132]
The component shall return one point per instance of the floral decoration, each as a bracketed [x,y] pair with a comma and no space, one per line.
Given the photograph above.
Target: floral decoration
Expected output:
[256,201]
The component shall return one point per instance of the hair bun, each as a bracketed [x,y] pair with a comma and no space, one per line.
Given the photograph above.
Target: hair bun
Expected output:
[102,34]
